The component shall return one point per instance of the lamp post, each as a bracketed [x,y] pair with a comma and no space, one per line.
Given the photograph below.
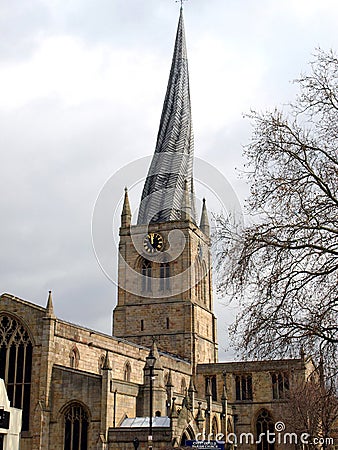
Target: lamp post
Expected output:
[151,363]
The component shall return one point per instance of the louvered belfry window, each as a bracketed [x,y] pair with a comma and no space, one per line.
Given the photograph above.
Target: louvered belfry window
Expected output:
[16,364]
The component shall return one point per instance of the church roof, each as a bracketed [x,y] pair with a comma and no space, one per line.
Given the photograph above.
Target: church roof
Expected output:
[172,163]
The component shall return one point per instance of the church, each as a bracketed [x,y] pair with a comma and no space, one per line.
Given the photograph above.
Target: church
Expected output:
[156,382]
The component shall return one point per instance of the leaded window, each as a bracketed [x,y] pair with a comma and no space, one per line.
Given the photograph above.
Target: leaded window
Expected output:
[76,428]
[243,387]
[16,364]
[264,424]
[280,385]
[212,381]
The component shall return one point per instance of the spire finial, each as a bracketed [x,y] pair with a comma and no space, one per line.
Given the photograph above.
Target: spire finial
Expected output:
[106,363]
[181,1]
[204,223]
[126,212]
[50,307]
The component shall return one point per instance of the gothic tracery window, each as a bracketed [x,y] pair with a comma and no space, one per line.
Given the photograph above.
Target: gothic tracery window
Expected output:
[264,423]
[76,428]
[280,385]
[211,381]
[16,364]
[243,387]
[74,357]
[127,371]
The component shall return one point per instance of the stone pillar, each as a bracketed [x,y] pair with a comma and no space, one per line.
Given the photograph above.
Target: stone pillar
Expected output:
[107,399]
[191,395]
[200,420]
[42,408]
[208,412]
[170,392]
[224,414]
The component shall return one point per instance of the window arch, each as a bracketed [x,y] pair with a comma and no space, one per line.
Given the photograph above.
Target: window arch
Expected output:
[264,423]
[16,364]
[204,280]
[198,279]
[183,386]
[280,385]
[229,426]
[127,371]
[214,427]
[76,423]
[74,357]
[101,362]
[243,387]
[188,434]
[146,271]
[164,276]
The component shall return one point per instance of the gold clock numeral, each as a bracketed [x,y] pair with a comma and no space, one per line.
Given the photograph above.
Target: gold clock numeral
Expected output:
[153,242]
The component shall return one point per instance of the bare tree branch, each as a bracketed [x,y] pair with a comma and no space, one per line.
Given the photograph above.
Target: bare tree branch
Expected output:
[284,268]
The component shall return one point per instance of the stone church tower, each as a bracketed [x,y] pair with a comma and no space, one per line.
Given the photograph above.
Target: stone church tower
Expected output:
[165,286]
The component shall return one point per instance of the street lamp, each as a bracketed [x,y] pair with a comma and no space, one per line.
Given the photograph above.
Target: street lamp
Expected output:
[151,363]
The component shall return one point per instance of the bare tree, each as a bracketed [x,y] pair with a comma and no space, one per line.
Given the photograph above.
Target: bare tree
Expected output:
[313,409]
[284,267]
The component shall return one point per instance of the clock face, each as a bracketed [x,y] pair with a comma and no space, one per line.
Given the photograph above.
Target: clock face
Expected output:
[153,242]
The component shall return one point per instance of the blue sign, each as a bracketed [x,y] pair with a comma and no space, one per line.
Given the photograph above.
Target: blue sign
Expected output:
[206,445]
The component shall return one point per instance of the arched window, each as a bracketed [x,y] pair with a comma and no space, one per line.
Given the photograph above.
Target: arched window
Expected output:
[205,293]
[198,279]
[101,362]
[214,427]
[164,276]
[76,428]
[280,385]
[146,271]
[74,357]
[183,386]
[16,364]
[188,435]
[264,424]
[212,382]
[184,439]
[229,426]
[127,371]
[244,387]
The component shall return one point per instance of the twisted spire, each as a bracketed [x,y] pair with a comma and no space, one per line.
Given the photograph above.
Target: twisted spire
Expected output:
[172,163]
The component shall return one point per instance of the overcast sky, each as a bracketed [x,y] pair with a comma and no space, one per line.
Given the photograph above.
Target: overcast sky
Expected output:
[82,84]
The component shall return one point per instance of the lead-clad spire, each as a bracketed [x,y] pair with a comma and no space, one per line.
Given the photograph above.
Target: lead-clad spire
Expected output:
[172,162]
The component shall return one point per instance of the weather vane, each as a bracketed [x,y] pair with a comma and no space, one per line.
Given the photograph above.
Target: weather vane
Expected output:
[181,1]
